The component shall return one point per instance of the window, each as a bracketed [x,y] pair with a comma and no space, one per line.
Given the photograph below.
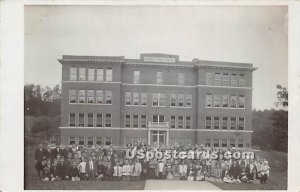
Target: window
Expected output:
[72,96]
[207,143]
[99,120]
[73,74]
[90,120]
[241,143]
[99,96]
[82,74]
[161,99]
[225,101]
[216,122]
[188,100]
[233,123]
[187,122]
[173,100]
[72,141]
[100,74]
[128,98]
[155,99]
[180,100]
[108,74]
[208,122]
[136,99]
[173,122]
[143,121]
[241,101]
[233,80]
[81,120]
[241,123]
[242,80]
[108,141]
[158,99]
[232,142]
[225,79]
[72,120]
[108,97]
[108,120]
[127,121]
[233,101]
[144,99]
[180,122]
[208,100]
[81,140]
[99,140]
[136,77]
[217,79]
[180,78]
[90,96]
[217,100]
[225,123]
[224,142]
[158,118]
[91,74]
[216,142]
[81,96]
[209,78]
[135,121]
[90,141]
[159,77]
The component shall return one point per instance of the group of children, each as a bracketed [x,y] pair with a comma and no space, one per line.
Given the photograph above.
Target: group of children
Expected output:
[106,164]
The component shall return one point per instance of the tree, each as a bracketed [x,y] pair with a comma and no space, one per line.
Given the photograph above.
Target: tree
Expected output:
[282,96]
[46,126]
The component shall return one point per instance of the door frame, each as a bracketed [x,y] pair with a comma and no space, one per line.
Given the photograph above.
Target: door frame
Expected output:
[158,129]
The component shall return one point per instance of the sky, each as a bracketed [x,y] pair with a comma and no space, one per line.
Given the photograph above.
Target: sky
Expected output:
[247,34]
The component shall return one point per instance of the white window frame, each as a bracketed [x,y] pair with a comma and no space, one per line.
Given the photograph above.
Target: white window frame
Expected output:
[217,79]
[73,74]
[182,122]
[110,140]
[238,124]
[159,96]
[244,101]
[92,120]
[185,122]
[174,122]
[96,120]
[211,122]
[82,72]
[109,74]
[222,124]
[186,99]
[138,118]
[236,99]
[174,97]
[97,96]
[108,92]
[218,123]
[79,120]
[78,96]
[217,96]
[225,79]
[207,98]
[227,98]
[145,121]
[144,96]
[180,96]
[242,81]
[91,74]
[136,97]
[130,124]
[70,119]
[209,76]
[75,96]
[100,74]
[128,94]
[93,96]
[110,119]
[233,82]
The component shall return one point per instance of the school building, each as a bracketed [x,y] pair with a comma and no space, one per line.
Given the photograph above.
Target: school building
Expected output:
[157,99]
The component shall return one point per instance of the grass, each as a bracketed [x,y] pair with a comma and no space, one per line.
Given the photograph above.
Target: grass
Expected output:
[32,181]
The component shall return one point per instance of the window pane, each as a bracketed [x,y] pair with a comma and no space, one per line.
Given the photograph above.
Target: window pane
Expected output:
[72,120]
[241,123]
[173,100]
[143,121]
[224,142]
[91,74]
[108,120]
[241,101]
[108,97]
[187,122]
[241,143]
[159,79]
[100,74]
[216,142]
[127,121]
[136,77]
[161,118]
[90,120]
[173,125]
[233,123]
[242,80]
[225,79]
[225,123]
[207,142]
[217,79]
[109,74]
[108,141]
[225,100]
[208,122]
[233,101]
[73,74]
[180,122]
[233,80]
[81,96]
[82,74]
[99,96]
[155,99]
[135,121]
[216,123]
[81,140]
[144,99]
[232,142]
[136,99]
[217,100]
[155,118]
[161,99]
[90,94]
[208,100]
[99,120]
[128,98]
[81,120]
[180,100]
[181,78]
[99,140]
[209,78]
[72,96]
[90,141]
[188,100]
[72,141]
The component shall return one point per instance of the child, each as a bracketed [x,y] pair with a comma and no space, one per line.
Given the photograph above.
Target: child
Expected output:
[100,169]
[265,172]
[117,172]
[161,170]
[169,170]
[199,172]
[55,171]
[191,172]
[126,170]
[175,170]
[226,176]
[182,170]
[82,170]
[136,170]
[243,176]
[73,172]
[46,170]
[109,171]
[218,172]
[91,168]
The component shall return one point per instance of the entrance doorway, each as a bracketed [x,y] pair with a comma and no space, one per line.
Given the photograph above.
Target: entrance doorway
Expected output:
[158,137]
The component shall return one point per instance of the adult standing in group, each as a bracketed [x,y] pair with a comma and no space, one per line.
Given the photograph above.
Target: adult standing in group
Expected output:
[40,154]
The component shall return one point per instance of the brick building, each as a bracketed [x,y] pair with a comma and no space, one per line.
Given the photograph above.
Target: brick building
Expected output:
[156,98]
